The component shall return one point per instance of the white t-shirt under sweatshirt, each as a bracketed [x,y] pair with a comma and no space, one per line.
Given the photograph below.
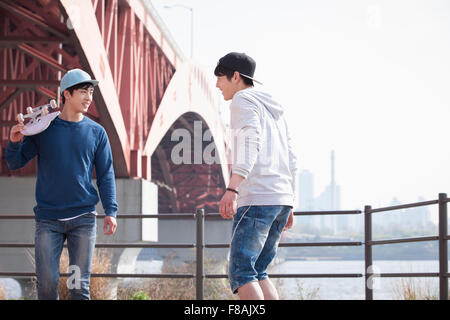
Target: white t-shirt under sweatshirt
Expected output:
[262,150]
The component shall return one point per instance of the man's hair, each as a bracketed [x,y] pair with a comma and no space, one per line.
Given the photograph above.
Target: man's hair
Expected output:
[83,85]
[223,71]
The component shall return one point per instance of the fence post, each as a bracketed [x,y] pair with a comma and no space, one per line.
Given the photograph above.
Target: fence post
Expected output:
[368,251]
[443,249]
[200,218]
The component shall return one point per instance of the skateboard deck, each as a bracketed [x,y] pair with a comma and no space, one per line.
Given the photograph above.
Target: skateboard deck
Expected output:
[40,118]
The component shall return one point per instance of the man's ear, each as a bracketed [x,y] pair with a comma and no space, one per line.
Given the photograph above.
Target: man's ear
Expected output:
[236,76]
[66,94]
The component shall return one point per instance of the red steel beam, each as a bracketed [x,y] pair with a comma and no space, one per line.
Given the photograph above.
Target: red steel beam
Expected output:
[9,96]
[29,83]
[46,92]
[165,167]
[12,41]
[140,71]
[41,57]
[7,123]
[57,29]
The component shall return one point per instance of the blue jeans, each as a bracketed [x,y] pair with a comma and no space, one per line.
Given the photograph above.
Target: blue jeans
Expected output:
[256,234]
[49,241]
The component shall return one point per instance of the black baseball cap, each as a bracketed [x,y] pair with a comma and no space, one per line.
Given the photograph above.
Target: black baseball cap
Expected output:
[239,62]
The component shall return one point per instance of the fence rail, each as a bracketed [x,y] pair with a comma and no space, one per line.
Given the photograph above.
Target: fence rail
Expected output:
[442,238]
[200,245]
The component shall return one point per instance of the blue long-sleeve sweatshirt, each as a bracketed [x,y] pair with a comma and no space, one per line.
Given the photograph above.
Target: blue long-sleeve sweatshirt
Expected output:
[67,154]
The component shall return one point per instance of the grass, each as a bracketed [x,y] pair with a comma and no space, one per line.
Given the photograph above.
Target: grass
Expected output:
[414,289]
[301,292]
[184,289]
[177,288]
[101,287]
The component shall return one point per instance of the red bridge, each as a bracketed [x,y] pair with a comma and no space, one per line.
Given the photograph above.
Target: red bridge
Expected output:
[148,99]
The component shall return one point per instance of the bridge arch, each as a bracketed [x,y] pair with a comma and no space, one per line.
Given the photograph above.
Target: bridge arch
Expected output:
[188,104]
[187,167]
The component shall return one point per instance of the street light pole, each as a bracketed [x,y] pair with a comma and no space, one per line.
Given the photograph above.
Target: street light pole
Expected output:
[192,23]
[192,32]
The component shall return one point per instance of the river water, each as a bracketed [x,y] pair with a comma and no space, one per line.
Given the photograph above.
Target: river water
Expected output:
[353,288]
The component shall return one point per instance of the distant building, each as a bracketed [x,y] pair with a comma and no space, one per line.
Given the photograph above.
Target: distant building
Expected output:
[329,199]
[305,199]
[417,218]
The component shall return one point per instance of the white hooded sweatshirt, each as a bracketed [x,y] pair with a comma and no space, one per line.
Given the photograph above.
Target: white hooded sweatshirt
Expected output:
[262,150]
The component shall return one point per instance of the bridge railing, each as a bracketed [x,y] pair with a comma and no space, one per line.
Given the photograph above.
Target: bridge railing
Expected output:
[200,246]
[442,238]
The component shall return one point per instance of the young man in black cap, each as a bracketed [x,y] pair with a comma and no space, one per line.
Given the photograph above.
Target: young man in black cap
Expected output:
[260,194]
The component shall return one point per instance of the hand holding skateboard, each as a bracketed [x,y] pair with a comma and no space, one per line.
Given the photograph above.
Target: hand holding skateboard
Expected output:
[40,119]
[15,134]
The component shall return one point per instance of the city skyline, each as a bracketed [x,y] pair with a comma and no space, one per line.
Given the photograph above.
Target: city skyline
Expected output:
[330,199]
[313,193]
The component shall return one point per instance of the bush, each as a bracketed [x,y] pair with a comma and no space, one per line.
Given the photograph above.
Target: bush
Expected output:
[139,295]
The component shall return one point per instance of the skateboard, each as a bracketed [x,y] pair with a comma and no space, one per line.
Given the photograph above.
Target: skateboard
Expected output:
[40,118]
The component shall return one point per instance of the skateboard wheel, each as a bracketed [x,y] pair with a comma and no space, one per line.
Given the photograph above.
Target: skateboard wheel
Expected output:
[29,110]
[20,118]
[53,103]
[44,110]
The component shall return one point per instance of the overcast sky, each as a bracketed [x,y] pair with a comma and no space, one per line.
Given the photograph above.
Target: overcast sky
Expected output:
[368,79]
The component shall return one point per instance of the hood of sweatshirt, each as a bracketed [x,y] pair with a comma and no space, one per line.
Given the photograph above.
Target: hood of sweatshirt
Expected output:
[274,108]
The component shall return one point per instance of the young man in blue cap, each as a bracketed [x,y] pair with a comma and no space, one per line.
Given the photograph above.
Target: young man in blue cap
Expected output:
[260,194]
[67,151]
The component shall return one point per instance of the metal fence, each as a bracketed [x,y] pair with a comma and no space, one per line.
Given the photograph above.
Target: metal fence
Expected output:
[442,237]
[200,246]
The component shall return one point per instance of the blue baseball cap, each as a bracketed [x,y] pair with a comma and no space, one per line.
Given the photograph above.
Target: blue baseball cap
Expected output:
[74,77]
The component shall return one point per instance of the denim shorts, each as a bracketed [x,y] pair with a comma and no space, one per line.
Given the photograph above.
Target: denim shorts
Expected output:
[256,234]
